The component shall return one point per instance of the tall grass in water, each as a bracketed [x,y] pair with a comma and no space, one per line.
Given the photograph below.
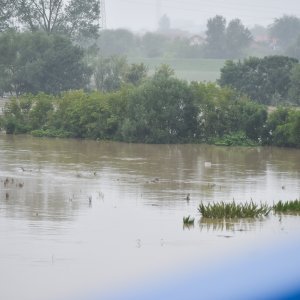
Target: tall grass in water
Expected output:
[188,221]
[233,210]
[286,207]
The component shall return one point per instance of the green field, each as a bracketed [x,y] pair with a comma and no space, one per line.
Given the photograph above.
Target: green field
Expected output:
[188,69]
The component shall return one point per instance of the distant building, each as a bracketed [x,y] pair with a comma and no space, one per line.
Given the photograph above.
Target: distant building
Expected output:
[270,42]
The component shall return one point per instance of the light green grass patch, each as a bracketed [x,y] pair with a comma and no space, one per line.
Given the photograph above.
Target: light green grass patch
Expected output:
[187,69]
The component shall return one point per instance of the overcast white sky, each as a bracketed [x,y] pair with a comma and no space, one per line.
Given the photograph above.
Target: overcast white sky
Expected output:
[142,14]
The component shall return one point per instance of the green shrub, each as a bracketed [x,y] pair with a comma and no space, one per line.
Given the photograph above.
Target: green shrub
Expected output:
[235,139]
[232,210]
[287,207]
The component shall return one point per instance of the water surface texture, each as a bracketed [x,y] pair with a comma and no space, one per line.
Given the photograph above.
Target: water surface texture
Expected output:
[78,216]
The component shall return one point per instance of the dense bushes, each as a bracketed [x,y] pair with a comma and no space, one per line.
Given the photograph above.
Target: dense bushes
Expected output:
[283,128]
[223,112]
[163,109]
[265,80]
[38,62]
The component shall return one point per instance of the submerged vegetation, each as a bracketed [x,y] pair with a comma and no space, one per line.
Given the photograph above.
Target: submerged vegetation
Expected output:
[287,207]
[188,221]
[235,139]
[233,210]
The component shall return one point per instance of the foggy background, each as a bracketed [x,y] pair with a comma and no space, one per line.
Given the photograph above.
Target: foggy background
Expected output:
[192,15]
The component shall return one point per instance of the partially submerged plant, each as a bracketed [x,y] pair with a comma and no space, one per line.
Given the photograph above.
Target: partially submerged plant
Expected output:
[287,207]
[188,221]
[232,210]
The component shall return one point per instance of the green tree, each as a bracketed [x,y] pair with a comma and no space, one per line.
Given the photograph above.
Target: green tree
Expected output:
[265,80]
[112,72]
[135,74]
[294,90]
[216,37]
[109,73]
[117,42]
[76,18]
[283,128]
[161,110]
[153,44]
[226,41]
[238,37]
[37,62]
[16,115]
[41,111]
[294,49]
[286,30]
[223,112]
[6,13]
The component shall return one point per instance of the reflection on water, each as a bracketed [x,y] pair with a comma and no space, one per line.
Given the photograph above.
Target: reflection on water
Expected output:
[55,171]
[68,206]
[238,225]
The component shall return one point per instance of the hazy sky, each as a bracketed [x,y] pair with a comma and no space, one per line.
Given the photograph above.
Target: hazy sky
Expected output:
[142,14]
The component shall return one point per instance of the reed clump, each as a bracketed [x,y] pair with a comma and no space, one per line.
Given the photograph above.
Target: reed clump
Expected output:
[188,221]
[222,210]
[287,207]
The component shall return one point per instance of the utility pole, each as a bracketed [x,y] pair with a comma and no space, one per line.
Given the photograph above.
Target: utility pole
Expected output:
[102,15]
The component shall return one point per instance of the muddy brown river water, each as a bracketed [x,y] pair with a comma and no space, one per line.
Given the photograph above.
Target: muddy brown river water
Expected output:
[79,215]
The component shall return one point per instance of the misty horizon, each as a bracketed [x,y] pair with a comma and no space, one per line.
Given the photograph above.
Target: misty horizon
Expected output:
[192,14]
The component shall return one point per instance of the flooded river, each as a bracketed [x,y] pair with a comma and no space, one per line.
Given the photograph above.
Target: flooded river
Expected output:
[84,215]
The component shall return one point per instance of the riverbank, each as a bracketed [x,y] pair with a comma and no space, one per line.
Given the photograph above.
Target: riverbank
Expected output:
[163,110]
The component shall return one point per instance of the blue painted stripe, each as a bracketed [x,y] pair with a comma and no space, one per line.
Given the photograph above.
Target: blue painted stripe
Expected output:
[268,274]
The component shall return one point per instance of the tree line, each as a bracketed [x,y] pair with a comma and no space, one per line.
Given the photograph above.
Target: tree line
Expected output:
[161,109]
[222,39]
[121,101]
[272,80]
[79,21]
[33,62]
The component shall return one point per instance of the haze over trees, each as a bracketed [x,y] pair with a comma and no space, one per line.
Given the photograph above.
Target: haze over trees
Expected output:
[6,13]
[162,109]
[110,74]
[286,30]
[63,88]
[35,62]
[265,80]
[76,18]
[226,41]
